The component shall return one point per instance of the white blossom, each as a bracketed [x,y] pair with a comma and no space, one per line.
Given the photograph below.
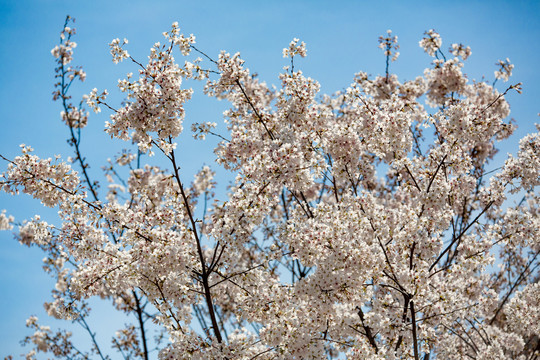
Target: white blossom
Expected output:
[6,221]
[295,49]
[431,43]
[505,70]
[369,224]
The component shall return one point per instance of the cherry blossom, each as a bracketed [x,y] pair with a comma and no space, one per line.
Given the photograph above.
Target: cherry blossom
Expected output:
[460,50]
[6,221]
[505,70]
[431,43]
[372,223]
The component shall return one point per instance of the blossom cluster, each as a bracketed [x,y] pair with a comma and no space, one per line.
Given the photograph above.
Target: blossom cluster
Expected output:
[6,221]
[505,69]
[431,43]
[52,182]
[461,50]
[295,49]
[118,53]
[154,102]
[367,224]
[389,44]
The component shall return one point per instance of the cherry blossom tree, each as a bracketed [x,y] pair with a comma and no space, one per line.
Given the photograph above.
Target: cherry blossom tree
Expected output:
[368,224]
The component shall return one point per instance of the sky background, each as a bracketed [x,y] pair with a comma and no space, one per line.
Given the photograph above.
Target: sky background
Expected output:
[341,38]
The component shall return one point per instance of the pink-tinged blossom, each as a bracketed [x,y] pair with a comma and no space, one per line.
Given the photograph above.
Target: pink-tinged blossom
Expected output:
[431,43]
[389,45]
[118,52]
[93,99]
[295,49]
[444,82]
[175,37]
[6,221]
[50,181]
[460,50]
[64,51]
[505,70]
[154,110]
[75,118]
[200,130]
[34,232]
[369,223]
[526,167]
[523,311]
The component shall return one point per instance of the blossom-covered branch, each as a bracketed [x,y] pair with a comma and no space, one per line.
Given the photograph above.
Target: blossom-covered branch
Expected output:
[368,224]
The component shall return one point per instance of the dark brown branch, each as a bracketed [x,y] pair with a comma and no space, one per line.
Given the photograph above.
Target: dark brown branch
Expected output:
[215,261]
[229,277]
[261,353]
[367,329]
[435,174]
[461,337]
[204,270]
[516,86]
[286,211]
[520,278]
[202,53]
[156,282]
[460,235]
[85,325]
[415,339]
[255,110]
[412,177]
[411,256]
[485,339]
[307,204]
[141,325]
[308,213]
[406,299]
[445,313]
[354,186]
[467,334]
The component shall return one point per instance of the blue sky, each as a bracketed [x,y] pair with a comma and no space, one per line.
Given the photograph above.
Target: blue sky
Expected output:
[341,38]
